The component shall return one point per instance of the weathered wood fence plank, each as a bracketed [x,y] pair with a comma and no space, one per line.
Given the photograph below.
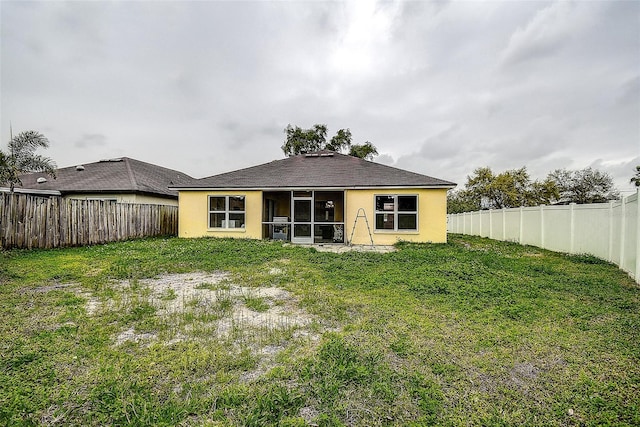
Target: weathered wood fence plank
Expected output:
[28,221]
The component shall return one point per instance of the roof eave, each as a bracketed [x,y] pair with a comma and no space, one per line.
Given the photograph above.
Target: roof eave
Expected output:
[145,193]
[354,187]
[31,191]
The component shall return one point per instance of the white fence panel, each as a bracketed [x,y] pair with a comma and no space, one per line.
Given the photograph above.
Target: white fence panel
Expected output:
[512,224]
[530,227]
[475,222]
[485,225]
[609,231]
[496,230]
[615,225]
[592,229]
[557,228]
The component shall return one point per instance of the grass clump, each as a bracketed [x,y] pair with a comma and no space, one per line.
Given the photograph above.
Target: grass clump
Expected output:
[255,303]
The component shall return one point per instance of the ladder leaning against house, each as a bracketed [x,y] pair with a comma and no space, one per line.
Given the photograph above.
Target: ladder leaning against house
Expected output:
[355,222]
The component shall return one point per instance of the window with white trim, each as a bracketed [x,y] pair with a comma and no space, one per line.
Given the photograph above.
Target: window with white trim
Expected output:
[396,212]
[226,211]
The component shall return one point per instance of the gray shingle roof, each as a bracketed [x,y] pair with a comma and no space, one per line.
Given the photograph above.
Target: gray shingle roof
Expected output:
[321,169]
[122,175]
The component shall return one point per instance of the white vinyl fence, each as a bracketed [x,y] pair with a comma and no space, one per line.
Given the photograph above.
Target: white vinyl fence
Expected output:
[610,231]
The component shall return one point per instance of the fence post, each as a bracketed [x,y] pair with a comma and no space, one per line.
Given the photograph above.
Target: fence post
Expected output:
[491,223]
[636,274]
[542,226]
[520,226]
[623,226]
[504,224]
[572,228]
[610,257]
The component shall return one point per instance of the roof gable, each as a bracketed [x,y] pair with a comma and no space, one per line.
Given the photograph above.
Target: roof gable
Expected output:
[122,175]
[321,169]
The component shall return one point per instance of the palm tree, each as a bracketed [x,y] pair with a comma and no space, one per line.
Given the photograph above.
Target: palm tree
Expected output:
[21,158]
[636,179]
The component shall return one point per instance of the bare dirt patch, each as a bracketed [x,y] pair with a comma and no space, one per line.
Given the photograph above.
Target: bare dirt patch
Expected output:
[208,306]
[339,249]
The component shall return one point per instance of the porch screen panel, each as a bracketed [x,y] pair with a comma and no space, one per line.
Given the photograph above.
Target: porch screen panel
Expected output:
[302,230]
[302,210]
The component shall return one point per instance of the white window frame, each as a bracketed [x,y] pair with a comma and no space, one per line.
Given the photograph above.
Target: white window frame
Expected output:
[395,212]
[226,212]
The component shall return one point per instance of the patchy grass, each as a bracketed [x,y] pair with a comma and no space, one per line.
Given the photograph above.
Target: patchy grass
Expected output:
[473,332]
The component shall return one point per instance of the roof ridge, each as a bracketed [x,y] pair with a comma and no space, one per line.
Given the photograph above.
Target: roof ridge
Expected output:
[156,166]
[132,176]
[338,170]
[404,170]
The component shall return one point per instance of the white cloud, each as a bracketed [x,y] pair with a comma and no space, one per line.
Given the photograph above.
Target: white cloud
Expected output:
[547,32]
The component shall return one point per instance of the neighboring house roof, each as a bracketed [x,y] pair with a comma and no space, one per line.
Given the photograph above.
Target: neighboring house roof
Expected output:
[321,169]
[121,175]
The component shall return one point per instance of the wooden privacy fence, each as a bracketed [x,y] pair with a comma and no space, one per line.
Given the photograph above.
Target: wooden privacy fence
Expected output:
[610,231]
[28,221]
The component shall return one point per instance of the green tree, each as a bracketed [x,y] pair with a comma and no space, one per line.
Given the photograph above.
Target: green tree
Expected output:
[478,186]
[543,193]
[584,186]
[21,158]
[459,201]
[509,189]
[636,178]
[365,151]
[4,168]
[340,141]
[300,140]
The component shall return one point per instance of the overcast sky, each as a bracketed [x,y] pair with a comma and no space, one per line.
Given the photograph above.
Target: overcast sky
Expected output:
[440,88]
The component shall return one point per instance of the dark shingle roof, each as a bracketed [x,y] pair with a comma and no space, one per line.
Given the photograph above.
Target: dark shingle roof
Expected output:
[122,175]
[318,170]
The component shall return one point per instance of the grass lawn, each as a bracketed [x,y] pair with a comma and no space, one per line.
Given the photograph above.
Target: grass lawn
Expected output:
[232,332]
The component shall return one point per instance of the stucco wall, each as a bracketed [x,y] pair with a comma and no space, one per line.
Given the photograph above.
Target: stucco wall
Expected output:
[193,215]
[432,220]
[432,217]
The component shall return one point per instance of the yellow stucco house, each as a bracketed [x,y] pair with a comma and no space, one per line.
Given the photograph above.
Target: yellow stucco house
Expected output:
[320,197]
